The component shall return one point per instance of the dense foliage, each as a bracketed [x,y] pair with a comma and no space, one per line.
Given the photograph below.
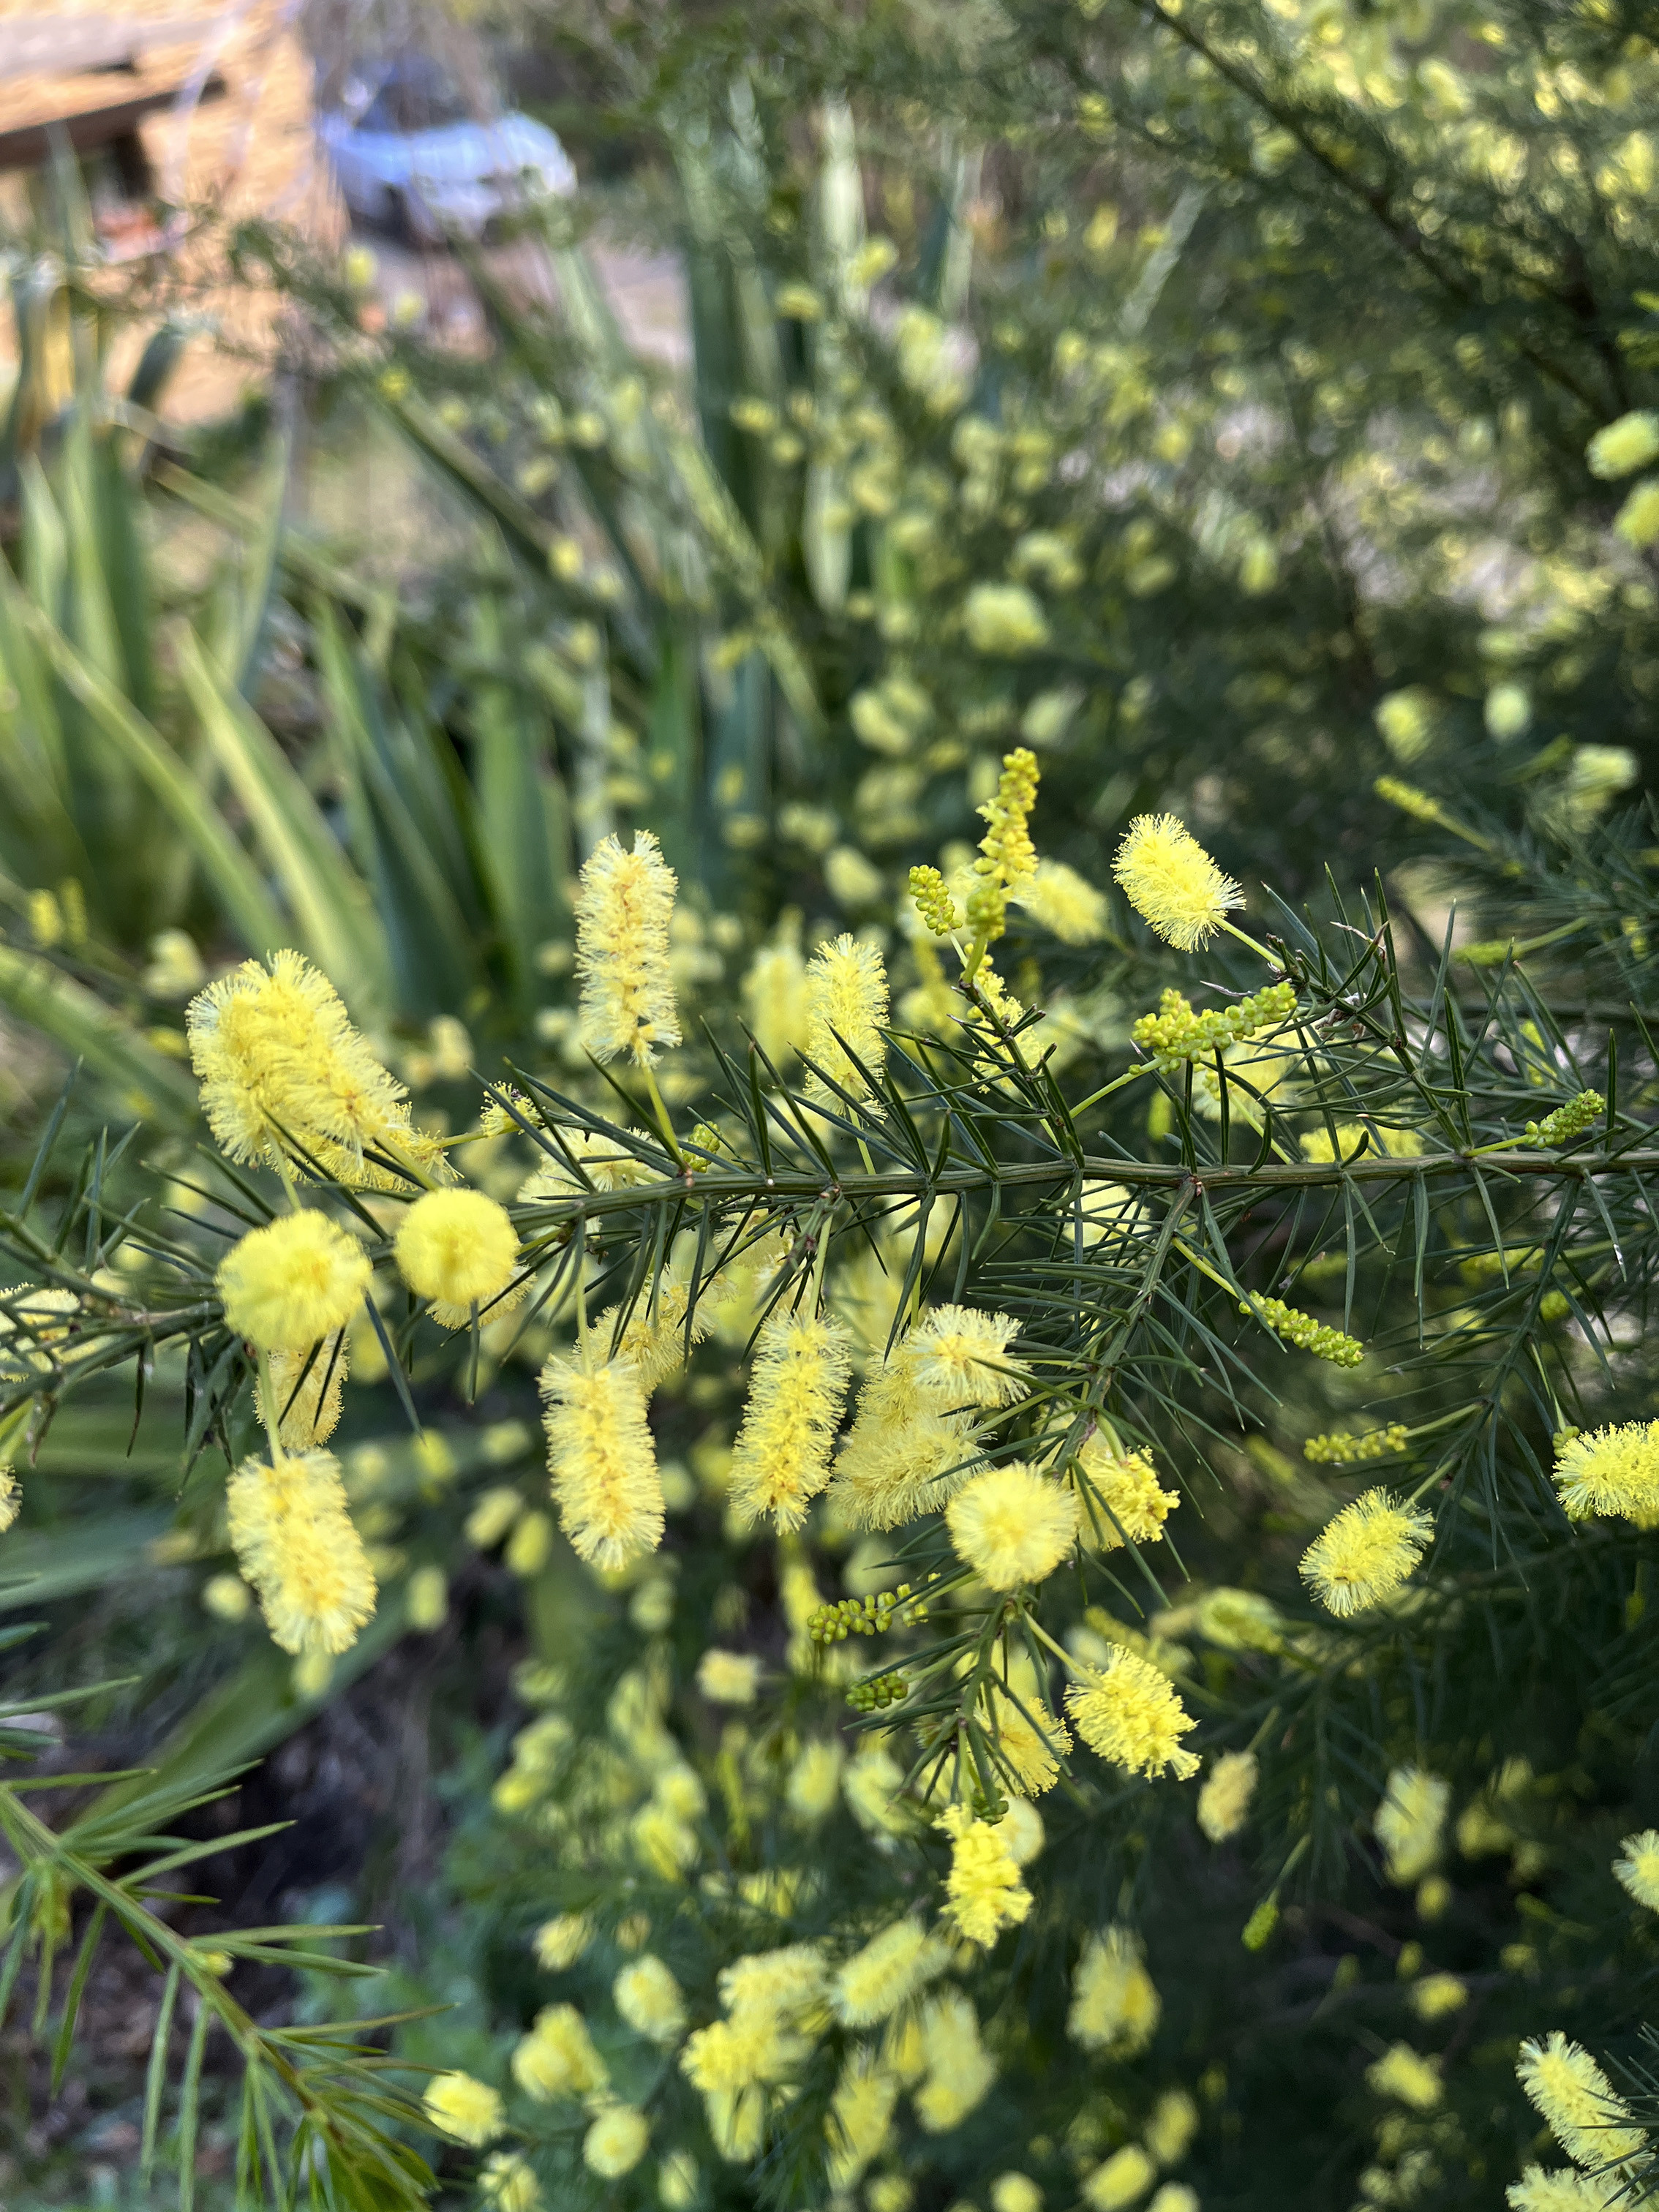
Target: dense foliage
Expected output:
[1090,1637]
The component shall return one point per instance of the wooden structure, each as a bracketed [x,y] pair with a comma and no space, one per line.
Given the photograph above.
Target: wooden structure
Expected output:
[184,117]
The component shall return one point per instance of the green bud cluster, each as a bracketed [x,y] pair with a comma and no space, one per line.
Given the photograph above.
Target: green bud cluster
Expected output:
[1349,1451]
[933,901]
[1306,1333]
[878,1693]
[868,1616]
[1567,1121]
[1177,1033]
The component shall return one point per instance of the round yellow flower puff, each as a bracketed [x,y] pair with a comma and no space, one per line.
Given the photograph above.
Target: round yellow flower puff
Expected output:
[468,2110]
[1364,1552]
[1012,1525]
[1636,1867]
[1591,2123]
[1410,1822]
[458,1249]
[615,2142]
[287,1286]
[1129,1713]
[1172,883]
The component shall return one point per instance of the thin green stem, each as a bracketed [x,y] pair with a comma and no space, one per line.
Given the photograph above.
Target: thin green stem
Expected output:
[660,1112]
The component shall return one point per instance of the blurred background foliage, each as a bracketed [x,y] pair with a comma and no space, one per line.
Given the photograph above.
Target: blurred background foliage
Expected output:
[1201,396]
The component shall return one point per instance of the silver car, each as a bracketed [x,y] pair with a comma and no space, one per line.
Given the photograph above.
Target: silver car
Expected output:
[413,158]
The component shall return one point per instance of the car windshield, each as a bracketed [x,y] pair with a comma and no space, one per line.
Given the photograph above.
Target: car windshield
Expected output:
[414,96]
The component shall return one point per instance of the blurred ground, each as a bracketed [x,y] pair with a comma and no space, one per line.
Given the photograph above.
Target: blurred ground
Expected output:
[430,289]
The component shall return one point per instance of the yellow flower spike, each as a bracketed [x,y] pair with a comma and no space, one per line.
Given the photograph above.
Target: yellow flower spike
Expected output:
[601,1460]
[960,1357]
[287,1286]
[1116,2007]
[469,2110]
[1410,1822]
[886,1973]
[625,901]
[296,1544]
[1120,1497]
[1406,2074]
[983,1892]
[861,2117]
[1591,2123]
[1172,883]
[11,1497]
[780,1460]
[1128,1712]
[282,1066]
[846,1002]
[1012,1525]
[458,1249]
[1065,903]
[1365,1553]
[1224,1802]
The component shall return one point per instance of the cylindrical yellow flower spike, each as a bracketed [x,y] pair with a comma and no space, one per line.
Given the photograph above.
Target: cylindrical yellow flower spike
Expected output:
[847,988]
[1172,883]
[623,904]
[983,1892]
[290,1284]
[458,1249]
[1130,1714]
[1365,1553]
[782,1459]
[286,1076]
[294,1542]
[602,1459]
